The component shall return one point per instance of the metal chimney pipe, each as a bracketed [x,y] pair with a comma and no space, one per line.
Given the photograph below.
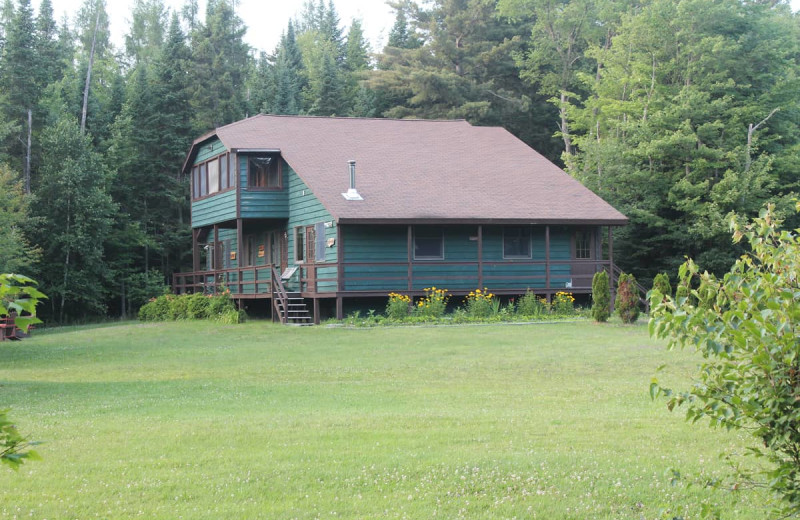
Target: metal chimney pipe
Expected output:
[352,164]
[352,194]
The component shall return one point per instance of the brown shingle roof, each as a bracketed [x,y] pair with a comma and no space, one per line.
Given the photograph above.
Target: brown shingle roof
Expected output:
[420,170]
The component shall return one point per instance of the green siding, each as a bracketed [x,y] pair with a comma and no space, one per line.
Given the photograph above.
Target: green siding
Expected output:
[260,203]
[306,210]
[209,150]
[217,208]
[385,248]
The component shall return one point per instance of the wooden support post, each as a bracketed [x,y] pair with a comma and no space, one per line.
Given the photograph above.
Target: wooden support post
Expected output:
[339,308]
[195,250]
[410,248]
[340,285]
[480,256]
[239,249]
[316,311]
[547,260]
[215,256]
[611,277]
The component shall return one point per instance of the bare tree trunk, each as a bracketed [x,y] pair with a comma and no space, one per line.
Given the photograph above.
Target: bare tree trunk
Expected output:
[750,130]
[562,109]
[28,154]
[89,73]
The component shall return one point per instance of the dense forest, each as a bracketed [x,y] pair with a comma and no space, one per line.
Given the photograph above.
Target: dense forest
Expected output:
[678,112]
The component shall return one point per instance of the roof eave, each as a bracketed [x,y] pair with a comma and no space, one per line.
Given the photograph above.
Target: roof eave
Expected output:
[485,221]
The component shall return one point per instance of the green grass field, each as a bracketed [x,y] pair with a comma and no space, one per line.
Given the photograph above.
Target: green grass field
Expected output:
[196,420]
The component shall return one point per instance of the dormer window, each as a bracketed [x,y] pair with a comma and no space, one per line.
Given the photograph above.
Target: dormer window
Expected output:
[264,171]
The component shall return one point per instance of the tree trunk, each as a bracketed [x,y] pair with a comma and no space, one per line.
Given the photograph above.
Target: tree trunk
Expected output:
[28,154]
[89,74]
[562,109]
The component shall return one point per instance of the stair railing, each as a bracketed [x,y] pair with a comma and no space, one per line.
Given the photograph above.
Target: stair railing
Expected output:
[280,299]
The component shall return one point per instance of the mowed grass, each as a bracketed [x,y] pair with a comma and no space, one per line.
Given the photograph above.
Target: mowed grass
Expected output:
[196,420]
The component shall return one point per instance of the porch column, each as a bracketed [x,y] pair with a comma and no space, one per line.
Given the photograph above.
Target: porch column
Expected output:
[340,285]
[316,311]
[611,276]
[239,249]
[480,256]
[410,250]
[547,260]
[215,255]
[195,251]
[598,249]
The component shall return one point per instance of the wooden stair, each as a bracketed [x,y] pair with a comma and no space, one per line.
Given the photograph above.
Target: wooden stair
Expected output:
[289,306]
[295,310]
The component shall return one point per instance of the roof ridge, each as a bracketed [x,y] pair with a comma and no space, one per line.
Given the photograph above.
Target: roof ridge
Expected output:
[357,118]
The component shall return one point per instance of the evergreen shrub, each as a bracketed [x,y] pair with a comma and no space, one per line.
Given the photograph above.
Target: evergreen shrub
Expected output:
[627,298]
[601,297]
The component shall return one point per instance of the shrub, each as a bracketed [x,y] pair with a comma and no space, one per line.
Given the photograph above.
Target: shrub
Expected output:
[197,306]
[14,448]
[157,309]
[564,303]
[397,308]
[433,304]
[662,285]
[531,305]
[601,297]
[220,303]
[178,307]
[627,298]
[481,303]
[747,335]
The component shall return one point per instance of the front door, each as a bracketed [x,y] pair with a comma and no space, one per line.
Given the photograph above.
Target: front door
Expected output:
[583,254]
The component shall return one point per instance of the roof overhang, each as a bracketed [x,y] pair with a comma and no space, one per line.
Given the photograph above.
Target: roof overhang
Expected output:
[478,221]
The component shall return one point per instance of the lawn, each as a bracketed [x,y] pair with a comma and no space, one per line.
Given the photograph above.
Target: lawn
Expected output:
[195,420]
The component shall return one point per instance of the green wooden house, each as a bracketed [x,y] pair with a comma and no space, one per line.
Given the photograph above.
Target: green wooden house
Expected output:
[325,212]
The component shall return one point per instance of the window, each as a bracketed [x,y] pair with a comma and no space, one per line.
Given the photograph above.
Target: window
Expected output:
[264,171]
[299,244]
[428,244]
[196,182]
[203,180]
[583,245]
[213,176]
[224,183]
[517,242]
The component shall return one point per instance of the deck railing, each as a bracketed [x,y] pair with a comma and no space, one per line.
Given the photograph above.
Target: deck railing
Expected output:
[382,277]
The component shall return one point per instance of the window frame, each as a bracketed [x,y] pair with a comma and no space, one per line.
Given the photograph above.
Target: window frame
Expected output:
[521,235]
[589,238]
[201,176]
[274,173]
[299,244]
[433,234]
